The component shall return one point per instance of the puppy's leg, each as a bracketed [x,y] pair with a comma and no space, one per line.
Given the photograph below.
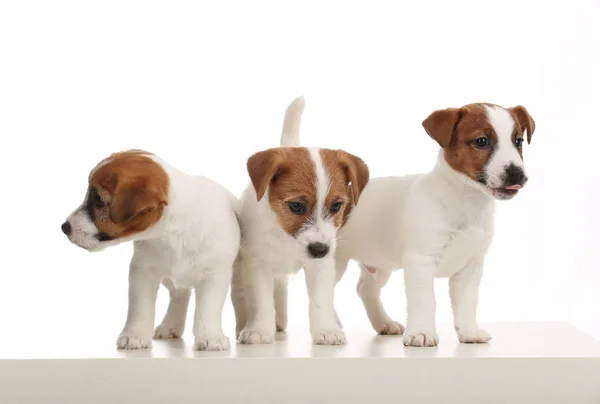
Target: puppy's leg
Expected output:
[281,294]
[320,282]
[143,288]
[419,274]
[340,268]
[239,298]
[369,289]
[173,323]
[210,299]
[464,295]
[260,327]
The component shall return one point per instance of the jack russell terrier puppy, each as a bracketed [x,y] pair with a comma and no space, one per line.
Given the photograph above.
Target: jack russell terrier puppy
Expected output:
[186,235]
[438,224]
[290,216]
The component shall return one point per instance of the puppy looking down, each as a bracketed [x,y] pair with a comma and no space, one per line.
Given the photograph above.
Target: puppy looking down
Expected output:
[438,224]
[290,216]
[186,235]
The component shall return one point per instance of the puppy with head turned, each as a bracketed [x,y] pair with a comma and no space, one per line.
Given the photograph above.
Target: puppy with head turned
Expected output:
[185,235]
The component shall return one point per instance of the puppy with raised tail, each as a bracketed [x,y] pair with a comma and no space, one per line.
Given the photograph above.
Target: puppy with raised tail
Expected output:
[438,224]
[290,217]
[185,233]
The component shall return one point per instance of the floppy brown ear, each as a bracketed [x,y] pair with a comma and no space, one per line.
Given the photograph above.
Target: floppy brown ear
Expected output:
[523,120]
[262,169]
[356,171]
[440,125]
[134,198]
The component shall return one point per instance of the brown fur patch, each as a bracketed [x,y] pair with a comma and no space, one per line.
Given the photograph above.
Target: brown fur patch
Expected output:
[461,154]
[127,193]
[348,175]
[523,121]
[289,174]
[440,125]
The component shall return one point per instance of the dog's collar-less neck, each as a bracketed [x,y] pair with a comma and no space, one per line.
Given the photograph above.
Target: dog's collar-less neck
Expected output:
[458,180]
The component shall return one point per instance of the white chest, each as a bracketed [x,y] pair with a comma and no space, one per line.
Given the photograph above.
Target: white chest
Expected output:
[468,242]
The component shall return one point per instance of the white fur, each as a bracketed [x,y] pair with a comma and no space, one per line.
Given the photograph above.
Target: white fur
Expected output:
[292,119]
[83,231]
[438,224]
[193,245]
[269,255]
[320,229]
[505,152]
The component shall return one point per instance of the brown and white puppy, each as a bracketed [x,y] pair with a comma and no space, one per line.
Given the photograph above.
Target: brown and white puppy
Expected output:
[298,200]
[438,224]
[185,234]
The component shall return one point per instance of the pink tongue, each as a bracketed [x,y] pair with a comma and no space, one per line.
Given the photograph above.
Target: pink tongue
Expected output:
[513,187]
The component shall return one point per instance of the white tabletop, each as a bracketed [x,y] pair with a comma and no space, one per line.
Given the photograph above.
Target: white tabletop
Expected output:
[524,363]
[509,340]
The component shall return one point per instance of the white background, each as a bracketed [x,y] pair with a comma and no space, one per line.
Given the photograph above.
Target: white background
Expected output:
[205,84]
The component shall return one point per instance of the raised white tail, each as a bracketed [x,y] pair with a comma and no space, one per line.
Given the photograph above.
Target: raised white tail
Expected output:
[290,133]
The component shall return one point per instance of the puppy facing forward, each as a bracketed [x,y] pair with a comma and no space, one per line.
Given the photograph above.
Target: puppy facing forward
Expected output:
[438,224]
[186,235]
[290,216]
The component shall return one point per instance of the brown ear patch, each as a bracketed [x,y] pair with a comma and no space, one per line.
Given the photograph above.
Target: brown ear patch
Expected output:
[440,125]
[263,167]
[348,176]
[127,193]
[357,172]
[523,120]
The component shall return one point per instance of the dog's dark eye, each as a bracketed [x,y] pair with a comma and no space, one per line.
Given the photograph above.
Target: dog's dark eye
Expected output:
[297,207]
[482,142]
[95,200]
[519,142]
[335,207]
[98,202]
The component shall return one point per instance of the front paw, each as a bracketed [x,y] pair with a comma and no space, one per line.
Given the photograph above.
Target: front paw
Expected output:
[128,341]
[329,337]
[166,331]
[468,335]
[419,337]
[255,336]
[211,343]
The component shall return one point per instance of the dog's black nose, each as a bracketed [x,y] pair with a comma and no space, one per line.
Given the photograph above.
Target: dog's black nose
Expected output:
[66,228]
[514,176]
[318,250]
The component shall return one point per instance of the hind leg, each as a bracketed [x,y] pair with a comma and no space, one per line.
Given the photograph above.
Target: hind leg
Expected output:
[173,323]
[281,298]
[239,297]
[369,289]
